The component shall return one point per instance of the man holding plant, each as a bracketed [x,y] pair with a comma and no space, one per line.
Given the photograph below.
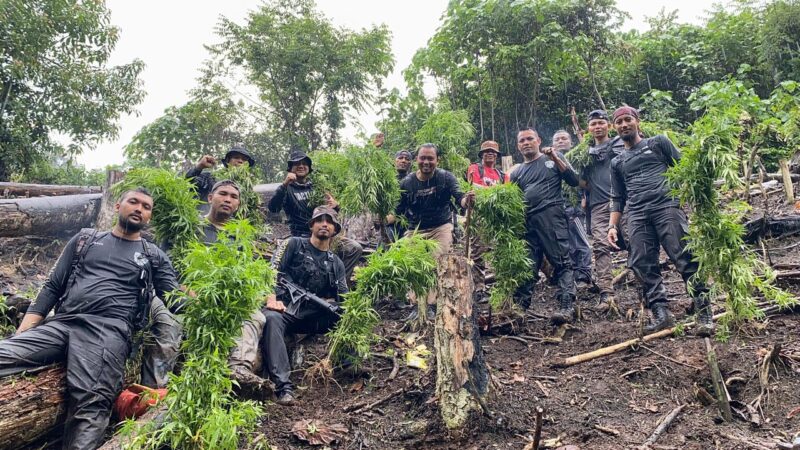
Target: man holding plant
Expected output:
[204,181]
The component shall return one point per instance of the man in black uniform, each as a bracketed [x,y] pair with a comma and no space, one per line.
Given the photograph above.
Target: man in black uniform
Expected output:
[402,163]
[98,305]
[579,247]
[204,180]
[654,218]
[596,179]
[292,196]
[547,232]
[309,263]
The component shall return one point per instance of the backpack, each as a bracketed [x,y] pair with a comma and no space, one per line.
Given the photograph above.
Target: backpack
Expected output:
[88,236]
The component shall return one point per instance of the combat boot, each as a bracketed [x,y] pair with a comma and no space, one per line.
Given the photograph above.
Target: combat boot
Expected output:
[566,310]
[705,323]
[662,318]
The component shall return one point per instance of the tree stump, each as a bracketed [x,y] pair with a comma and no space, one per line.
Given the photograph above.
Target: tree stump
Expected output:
[462,377]
[31,406]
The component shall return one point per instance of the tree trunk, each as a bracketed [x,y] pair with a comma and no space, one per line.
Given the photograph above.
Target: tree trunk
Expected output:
[786,176]
[48,216]
[106,215]
[44,190]
[31,407]
[462,377]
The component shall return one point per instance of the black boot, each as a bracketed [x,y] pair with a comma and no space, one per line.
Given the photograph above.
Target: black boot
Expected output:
[662,318]
[566,310]
[705,323]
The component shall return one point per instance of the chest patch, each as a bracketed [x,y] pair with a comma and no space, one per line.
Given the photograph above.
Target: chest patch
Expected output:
[549,164]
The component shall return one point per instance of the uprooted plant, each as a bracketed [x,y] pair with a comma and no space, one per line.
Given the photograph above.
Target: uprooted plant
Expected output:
[225,284]
[329,175]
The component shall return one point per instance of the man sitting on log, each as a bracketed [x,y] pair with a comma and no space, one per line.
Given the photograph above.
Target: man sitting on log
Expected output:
[546,229]
[655,219]
[204,181]
[292,197]
[425,200]
[101,290]
[308,263]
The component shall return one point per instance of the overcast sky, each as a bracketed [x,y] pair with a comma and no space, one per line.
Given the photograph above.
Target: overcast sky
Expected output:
[169,37]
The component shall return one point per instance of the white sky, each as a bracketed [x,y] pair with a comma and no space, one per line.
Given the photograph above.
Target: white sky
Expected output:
[169,37]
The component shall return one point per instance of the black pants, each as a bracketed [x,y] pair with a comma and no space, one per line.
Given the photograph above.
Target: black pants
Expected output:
[647,231]
[580,251]
[547,234]
[309,320]
[95,349]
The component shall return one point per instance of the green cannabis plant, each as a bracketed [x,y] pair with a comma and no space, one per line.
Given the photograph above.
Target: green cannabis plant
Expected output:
[716,230]
[250,201]
[452,132]
[329,175]
[175,218]
[499,219]
[407,266]
[225,283]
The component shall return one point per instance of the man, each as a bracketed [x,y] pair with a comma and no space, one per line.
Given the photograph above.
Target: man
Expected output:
[97,289]
[204,181]
[579,245]
[546,230]
[485,174]
[596,179]
[402,163]
[292,196]
[378,139]
[309,263]
[425,200]
[654,219]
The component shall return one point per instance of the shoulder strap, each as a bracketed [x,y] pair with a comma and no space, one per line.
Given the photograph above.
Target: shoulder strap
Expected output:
[85,239]
[480,171]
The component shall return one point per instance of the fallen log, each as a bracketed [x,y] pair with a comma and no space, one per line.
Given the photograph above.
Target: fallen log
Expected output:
[462,377]
[771,227]
[44,190]
[31,406]
[662,426]
[48,216]
[156,414]
[721,392]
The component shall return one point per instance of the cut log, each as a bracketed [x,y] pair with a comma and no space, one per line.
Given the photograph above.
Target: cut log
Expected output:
[721,392]
[157,415]
[48,216]
[105,216]
[266,191]
[770,227]
[462,377]
[44,190]
[31,406]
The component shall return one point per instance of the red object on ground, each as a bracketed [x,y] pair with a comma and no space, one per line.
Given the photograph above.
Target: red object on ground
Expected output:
[136,400]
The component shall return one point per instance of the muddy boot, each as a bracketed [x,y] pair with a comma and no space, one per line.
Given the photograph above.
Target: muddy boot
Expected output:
[705,323]
[662,318]
[566,310]
[251,386]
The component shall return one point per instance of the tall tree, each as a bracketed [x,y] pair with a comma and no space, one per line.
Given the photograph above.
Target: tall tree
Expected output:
[54,79]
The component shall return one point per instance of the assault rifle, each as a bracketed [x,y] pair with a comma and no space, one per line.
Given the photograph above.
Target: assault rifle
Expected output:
[298,296]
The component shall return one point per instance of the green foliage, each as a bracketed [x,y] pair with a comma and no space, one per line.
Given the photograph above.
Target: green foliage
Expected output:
[55,80]
[452,133]
[407,266]
[250,201]
[52,172]
[330,175]
[175,217]
[716,230]
[372,185]
[229,283]
[6,324]
[499,218]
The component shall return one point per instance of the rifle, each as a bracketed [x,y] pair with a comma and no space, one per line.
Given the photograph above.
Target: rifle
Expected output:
[298,296]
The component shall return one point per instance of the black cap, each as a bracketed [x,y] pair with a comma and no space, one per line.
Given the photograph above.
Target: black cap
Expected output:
[405,153]
[240,150]
[597,114]
[326,211]
[221,183]
[296,156]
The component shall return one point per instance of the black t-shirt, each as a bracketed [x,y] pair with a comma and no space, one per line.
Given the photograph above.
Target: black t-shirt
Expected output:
[427,204]
[637,176]
[203,181]
[108,284]
[540,181]
[597,173]
[319,272]
[293,199]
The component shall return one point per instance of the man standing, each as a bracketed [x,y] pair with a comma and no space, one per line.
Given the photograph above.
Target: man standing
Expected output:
[596,179]
[100,290]
[484,173]
[292,196]
[579,247]
[654,219]
[546,229]
[425,200]
[204,181]
[310,264]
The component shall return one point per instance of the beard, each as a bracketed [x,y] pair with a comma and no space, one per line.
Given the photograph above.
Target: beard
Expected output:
[629,137]
[129,226]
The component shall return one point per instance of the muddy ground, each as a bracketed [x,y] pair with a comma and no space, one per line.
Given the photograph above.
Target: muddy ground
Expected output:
[614,402]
